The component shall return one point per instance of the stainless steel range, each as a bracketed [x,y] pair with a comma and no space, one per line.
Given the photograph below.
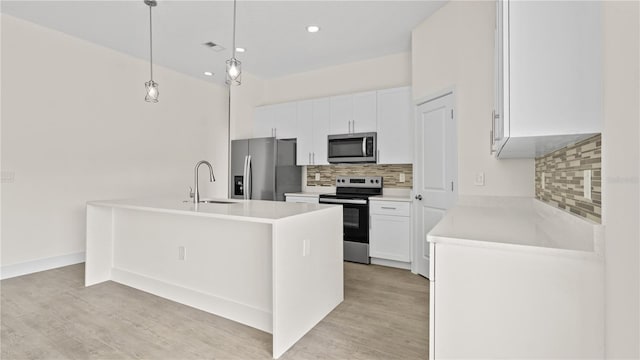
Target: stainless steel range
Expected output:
[353,193]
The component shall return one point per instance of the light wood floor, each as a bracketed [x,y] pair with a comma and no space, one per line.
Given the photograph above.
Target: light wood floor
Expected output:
[51,315]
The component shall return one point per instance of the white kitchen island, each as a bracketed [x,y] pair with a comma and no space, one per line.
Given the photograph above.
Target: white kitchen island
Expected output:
[274,266]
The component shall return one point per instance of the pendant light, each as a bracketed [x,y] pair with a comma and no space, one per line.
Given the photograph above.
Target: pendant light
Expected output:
[234,66]
[152,86]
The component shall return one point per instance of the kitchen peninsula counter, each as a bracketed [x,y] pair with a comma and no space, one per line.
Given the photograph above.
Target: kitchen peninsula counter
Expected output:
[274,266]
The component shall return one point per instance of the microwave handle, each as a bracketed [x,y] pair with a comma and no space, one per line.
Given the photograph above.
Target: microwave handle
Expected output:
[364,146]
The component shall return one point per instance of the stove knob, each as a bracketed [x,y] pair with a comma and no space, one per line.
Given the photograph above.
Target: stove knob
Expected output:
[377,181]
[371,181]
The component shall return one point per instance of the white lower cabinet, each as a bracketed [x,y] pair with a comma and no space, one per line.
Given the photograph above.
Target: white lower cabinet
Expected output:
[390,233]
[302,199]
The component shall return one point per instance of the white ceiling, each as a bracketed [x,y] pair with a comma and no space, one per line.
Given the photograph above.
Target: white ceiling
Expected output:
[273,32]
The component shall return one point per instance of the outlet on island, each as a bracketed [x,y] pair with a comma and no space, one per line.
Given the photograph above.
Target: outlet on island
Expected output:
[317,176]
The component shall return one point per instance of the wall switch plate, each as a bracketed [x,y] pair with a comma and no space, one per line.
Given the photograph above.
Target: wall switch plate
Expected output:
[317,176]
[401,178]
[306,247]
[587,184]
[479,180]
[8,177]
[182,252]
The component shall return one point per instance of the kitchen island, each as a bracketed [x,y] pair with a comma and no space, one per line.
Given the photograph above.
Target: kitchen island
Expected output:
[274,266]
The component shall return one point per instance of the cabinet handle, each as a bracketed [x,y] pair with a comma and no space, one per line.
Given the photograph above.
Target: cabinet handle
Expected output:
[275,132]
[353,126]
[314,158]
[491,133]
[309,158]
[388,208]
[349,127]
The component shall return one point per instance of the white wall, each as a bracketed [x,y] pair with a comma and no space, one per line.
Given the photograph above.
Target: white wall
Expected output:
[454,49]
[244,99]
[75,127]
[621,174]
[378,73]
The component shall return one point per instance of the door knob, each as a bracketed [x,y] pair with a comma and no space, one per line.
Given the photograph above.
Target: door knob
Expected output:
[419,197]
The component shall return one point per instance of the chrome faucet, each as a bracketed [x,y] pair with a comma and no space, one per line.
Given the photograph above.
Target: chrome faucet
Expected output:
[195,194]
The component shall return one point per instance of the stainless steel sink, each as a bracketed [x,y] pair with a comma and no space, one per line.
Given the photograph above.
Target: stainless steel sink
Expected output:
[211,202]
[217,202]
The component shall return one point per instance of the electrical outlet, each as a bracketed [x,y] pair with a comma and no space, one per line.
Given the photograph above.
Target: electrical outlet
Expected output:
[401,178]
[587,184]
[479,180]
[317,176]
[182,253]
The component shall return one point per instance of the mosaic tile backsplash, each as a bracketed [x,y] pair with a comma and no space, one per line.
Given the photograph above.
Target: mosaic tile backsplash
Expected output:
[389,173]
[564,178]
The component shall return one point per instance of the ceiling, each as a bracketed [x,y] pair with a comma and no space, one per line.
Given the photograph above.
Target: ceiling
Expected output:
[273,32]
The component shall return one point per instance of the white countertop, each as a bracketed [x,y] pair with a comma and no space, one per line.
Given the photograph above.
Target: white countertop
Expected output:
[246,210]
[505,221]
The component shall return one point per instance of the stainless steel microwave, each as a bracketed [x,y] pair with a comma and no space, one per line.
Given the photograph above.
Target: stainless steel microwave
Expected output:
[352,148]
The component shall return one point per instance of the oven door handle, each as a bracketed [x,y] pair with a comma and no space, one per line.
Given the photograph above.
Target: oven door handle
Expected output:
[343,201]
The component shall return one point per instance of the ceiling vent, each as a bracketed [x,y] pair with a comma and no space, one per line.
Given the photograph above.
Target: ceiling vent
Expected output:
[213,46]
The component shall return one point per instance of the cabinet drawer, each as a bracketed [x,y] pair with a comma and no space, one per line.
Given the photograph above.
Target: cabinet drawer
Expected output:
[394,208]
[302,199]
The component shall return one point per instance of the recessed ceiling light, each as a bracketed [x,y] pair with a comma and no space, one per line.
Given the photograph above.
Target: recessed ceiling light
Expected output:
[313,28]
[240,50]
[208,73]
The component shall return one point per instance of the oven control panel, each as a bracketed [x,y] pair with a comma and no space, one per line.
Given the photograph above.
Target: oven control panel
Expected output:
[359,181]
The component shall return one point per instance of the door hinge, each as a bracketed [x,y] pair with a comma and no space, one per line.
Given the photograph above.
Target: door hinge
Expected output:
[452,186]
[452,113]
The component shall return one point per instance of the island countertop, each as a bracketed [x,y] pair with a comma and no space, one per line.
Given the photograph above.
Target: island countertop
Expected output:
[247,210]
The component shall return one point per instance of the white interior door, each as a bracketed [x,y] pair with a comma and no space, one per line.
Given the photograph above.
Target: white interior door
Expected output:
[435,171]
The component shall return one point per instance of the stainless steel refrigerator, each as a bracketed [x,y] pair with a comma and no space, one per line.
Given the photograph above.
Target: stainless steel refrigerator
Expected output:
[264,169]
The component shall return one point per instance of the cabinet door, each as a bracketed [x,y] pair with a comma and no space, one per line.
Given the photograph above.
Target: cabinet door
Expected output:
[390,238]
[321,128]
[395,126]
[305,123]
[341,114]
[286,120]
[364,112]
[555,67]
[263,121]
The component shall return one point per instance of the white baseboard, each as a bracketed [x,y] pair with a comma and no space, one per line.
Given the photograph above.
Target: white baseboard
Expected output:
[242,313]
[391,263]
[33,266]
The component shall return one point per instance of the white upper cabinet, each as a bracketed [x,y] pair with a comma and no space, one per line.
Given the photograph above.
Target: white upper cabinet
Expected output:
[321,128]
[388,112]
[304,144]
[313,128]
[278,121]
[548,76]
[353,113]
[395,126]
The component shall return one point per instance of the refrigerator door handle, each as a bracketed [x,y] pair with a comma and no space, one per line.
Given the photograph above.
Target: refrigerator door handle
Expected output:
[244,178]
[250,172]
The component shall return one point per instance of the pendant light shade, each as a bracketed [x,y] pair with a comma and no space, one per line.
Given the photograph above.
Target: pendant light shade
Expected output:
[234,66]
[151,86]
[234,71]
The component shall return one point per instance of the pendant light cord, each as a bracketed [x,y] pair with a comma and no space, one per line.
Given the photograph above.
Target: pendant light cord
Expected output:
[234,29]
[151,42]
